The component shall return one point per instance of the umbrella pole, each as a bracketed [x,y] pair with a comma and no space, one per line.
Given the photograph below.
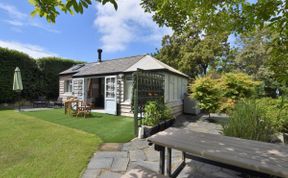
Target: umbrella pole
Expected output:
[19,98]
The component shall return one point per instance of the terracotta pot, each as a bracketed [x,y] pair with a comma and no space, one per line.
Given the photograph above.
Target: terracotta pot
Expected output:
[285,137]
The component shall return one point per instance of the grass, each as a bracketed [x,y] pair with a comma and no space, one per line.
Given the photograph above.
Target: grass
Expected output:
[31,147]
[108,127]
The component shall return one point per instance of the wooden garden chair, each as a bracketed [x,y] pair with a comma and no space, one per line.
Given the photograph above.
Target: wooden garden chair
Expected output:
[83,109]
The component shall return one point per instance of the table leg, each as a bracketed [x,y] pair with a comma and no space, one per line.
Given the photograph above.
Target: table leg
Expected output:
[168,163]
[162,160]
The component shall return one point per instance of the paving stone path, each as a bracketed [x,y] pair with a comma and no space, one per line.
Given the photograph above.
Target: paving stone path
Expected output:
[113,160]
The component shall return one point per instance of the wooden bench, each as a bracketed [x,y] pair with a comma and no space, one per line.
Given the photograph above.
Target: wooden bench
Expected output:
[141,172]
[247,156]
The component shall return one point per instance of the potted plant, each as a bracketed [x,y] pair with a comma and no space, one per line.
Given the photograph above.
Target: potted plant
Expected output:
[151,118]
[157,118]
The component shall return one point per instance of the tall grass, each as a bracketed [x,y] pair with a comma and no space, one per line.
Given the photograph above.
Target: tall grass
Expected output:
[249,121]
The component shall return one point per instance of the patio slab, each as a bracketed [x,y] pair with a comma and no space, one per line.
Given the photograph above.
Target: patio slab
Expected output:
[138,153]
[111,154]
[120,164]
[91,173]
[100,163]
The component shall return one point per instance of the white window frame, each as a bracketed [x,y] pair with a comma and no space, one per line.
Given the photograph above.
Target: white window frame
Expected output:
[66,87]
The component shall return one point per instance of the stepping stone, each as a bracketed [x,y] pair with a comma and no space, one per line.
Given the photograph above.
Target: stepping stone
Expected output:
[108,174]
[120,164]
[91,173]
[111,147]
[100,163]
[136,155]
[111,154]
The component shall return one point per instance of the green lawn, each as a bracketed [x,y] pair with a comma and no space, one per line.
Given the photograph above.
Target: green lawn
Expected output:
[31,147]
[108,127]
[51,144]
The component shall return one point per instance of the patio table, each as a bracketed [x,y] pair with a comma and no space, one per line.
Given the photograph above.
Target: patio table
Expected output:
[248,156]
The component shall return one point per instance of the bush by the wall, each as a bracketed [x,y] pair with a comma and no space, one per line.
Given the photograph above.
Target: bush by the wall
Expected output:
[249,120]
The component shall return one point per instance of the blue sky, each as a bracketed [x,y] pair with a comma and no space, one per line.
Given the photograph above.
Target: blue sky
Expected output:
[128,31]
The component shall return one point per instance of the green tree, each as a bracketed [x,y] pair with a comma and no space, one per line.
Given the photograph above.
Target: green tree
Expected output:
[193,52]
[237,16]
[252,53]
[225,15]
[207,92]
[255,57]
[52,8]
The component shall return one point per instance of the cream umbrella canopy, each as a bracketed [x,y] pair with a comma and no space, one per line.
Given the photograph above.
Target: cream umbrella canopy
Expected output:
[17,83]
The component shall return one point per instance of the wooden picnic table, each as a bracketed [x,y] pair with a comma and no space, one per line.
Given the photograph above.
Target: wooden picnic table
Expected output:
[249,156]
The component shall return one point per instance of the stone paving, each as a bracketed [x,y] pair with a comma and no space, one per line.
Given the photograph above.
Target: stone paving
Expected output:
[113,160]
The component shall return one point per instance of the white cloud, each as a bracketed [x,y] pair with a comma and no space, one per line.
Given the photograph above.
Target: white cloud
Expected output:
[19,19]
[32,50]
[126,25]
[12,11]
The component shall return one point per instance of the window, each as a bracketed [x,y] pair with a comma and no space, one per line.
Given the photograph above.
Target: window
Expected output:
[128,88]
[68,86]
[176,87]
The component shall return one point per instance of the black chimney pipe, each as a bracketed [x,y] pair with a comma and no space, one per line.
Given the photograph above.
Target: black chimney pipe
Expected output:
[99,55]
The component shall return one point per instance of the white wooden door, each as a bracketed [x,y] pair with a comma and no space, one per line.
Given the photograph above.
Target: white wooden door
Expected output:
[78,88]
[110,95]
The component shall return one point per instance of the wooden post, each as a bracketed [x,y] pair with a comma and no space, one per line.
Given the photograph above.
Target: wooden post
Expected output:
[136,105]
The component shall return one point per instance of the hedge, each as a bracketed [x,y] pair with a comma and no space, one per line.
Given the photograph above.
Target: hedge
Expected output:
[40,77]
[50,67]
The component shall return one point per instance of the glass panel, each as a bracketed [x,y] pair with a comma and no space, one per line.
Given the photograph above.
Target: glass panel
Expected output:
[68,86]
[110,87]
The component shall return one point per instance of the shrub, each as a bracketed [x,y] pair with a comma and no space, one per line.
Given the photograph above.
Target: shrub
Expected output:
[207,92]
[155,112]
[276,111]
[283,115]
[234,87]
[249,121]
[238,85]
